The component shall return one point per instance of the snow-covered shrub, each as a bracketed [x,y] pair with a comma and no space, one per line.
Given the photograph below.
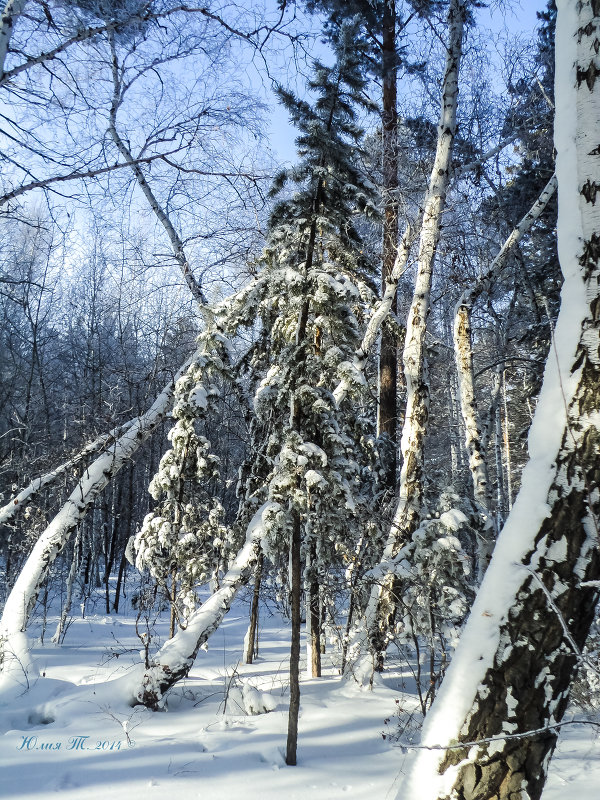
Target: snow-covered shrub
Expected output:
[248,700]
[433,590]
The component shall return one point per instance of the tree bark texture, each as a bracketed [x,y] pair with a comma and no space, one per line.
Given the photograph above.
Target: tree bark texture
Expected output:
[295,602]
[518,653]
[387,422]
[252,646]
[314,609]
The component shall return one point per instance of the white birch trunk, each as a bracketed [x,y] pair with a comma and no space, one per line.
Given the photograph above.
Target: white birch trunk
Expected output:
[66,610]
[463,350]
[380,607]
[518,653]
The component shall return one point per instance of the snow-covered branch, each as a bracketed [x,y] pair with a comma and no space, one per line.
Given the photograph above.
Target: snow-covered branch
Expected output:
[377,318]
[16,502]
[506,737]
[14,8]
[463,169]
[485,282]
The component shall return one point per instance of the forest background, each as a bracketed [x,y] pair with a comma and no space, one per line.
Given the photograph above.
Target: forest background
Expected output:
[215,370]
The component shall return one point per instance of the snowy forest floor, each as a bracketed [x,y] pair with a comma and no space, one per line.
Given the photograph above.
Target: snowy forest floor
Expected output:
[206,748]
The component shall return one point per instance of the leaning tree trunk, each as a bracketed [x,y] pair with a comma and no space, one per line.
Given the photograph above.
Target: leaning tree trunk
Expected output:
[24,593]
[519,652]
[18,500]
[174,660]
[160,213]
[381,606]
[463,350]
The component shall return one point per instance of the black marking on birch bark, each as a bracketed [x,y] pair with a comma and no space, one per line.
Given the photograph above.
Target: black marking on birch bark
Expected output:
[587,30]
[588,76]
[589,190]
[590,255]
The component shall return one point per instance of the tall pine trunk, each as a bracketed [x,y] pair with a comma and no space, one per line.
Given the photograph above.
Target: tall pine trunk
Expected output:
[387,422]
[518,654]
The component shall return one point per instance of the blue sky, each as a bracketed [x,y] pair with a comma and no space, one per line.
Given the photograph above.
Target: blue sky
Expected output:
[513,16]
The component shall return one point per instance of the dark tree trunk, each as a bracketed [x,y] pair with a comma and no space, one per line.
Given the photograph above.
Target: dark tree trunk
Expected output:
[295,601]
[112,545]
[315,618]
[252,648]
[120,577]
[388,357]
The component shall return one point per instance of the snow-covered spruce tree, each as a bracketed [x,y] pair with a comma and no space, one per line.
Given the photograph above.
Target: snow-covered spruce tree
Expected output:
[381,21]
[316,285]
[508,685]
[183,540]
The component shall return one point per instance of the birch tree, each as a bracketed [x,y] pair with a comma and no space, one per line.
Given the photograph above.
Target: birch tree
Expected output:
[495,724]
[380,609]
[463,348]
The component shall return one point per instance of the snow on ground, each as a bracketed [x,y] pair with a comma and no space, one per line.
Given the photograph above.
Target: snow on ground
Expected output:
[67,734]
[199,747]
[575,768]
